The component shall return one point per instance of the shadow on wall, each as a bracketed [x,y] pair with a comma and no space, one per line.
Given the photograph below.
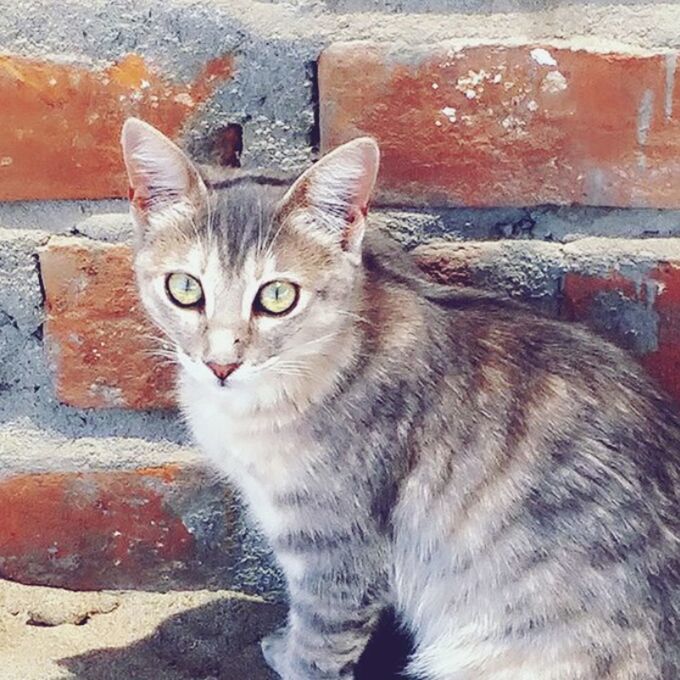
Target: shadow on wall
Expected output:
[220,641]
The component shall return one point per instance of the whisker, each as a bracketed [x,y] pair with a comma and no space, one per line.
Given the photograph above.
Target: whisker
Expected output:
[162,359]
[328,336]
[352,315]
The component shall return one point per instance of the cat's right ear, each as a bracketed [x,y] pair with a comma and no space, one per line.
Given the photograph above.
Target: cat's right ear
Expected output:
[335,193]
[164,184]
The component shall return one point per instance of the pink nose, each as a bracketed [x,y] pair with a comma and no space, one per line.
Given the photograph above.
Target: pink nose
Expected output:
[222,371]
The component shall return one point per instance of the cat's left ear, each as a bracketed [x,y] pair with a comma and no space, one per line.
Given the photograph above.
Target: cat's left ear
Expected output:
[335,192]
[163,181]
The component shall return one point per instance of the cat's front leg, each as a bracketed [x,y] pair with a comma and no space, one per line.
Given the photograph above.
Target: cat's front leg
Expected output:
[324,637]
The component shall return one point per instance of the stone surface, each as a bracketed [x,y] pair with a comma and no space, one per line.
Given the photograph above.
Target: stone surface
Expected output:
[49,634]
[102,347]
[493,125]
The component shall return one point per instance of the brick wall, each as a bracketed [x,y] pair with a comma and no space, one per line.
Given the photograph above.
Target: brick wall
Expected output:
[543,167]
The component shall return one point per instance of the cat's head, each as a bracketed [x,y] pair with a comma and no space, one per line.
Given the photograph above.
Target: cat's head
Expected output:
[256,285]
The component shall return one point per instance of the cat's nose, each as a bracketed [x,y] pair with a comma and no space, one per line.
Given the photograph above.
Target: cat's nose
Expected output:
[222,371]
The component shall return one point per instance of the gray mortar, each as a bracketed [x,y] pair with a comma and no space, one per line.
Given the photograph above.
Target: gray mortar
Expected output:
[56,217]
[108,220]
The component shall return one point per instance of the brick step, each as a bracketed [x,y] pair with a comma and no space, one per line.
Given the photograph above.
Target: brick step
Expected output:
[626,290]
[105,512]
[165,527]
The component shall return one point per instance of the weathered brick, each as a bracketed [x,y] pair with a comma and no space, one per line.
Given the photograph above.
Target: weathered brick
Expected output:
[144,528]
[494,125]
[60,123]
[100,343]
[615,302]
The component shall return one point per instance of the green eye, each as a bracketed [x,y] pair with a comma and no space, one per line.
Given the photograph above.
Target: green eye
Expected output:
[277,297]
[184,290]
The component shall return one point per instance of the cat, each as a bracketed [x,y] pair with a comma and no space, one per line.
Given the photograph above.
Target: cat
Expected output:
[507,482]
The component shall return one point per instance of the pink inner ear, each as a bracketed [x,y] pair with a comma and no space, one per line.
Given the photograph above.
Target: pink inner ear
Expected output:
[352,227]
[139,198]
[353,213]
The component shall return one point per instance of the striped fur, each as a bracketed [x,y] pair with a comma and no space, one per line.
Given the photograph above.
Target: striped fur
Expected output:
[507,482]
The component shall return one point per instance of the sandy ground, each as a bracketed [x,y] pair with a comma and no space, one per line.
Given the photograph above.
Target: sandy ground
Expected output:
[52,634]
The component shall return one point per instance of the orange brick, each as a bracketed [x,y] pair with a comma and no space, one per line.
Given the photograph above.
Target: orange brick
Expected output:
[658,291]
[106,529]
[60,124]
[98,337]
[664,363]
[499,125]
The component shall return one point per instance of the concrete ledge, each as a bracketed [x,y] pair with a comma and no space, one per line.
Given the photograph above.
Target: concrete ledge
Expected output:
[48,634]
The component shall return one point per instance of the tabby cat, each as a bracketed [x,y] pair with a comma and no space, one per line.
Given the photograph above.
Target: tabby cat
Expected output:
[508,483]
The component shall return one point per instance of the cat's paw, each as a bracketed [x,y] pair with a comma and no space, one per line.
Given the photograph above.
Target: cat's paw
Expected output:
[274,648]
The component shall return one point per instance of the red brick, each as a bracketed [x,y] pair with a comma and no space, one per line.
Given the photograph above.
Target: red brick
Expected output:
[100,342]
[492,125]
[658,291]
[579,290]
[60,123]
[104,529]
[665,362]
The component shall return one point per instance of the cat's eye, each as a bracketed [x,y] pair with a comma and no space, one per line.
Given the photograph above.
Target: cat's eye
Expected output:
[184,290]
[277,297]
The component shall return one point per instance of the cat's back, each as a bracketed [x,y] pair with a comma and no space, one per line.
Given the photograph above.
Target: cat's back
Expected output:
[546,451]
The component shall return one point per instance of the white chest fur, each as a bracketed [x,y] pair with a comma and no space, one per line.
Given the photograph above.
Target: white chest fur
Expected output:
[263,460]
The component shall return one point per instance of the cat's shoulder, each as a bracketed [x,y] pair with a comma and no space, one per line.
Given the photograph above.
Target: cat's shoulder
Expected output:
[385,258]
